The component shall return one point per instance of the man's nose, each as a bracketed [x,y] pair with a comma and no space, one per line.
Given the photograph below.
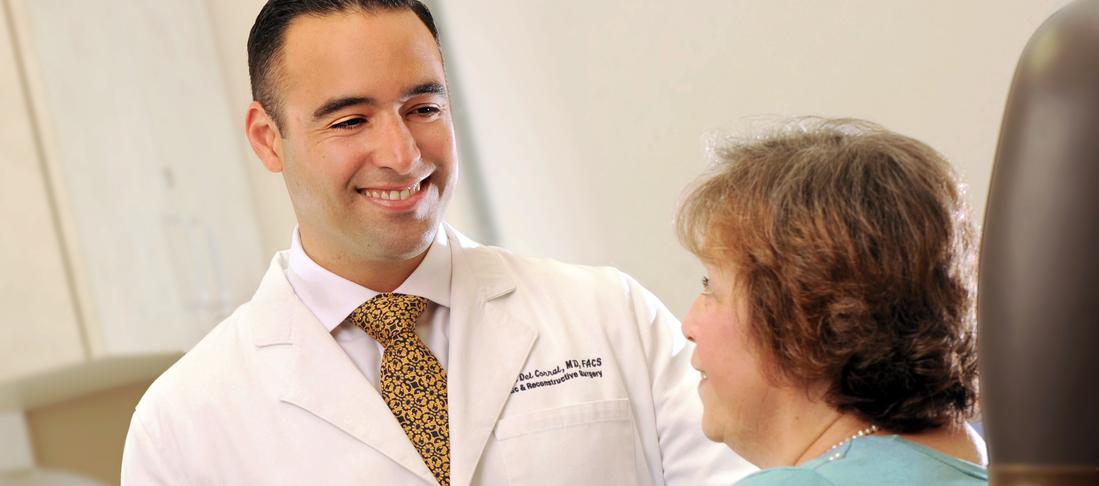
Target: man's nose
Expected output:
[396,148]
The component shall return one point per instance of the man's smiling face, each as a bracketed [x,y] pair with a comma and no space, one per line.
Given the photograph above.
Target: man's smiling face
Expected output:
[367,145]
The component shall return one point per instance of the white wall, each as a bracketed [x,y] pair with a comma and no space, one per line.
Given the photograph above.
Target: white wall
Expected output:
[589,117]
[15,449]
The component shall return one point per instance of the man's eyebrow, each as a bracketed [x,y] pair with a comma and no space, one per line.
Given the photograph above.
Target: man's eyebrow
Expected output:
[337,104]
[426,88]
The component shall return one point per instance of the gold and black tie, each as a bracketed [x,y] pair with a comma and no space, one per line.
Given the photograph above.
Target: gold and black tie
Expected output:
[413,381]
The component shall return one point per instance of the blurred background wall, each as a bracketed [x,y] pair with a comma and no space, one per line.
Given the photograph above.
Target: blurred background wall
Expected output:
[579,122]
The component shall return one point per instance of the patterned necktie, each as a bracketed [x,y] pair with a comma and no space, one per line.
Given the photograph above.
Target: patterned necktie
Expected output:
[413,381]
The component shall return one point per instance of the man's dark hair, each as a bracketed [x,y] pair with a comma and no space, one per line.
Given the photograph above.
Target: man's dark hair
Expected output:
[269,32]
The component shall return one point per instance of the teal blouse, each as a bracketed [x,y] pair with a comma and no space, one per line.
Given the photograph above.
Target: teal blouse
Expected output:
[877,460]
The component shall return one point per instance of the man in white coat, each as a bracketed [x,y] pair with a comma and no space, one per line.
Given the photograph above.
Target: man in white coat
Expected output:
[498,369]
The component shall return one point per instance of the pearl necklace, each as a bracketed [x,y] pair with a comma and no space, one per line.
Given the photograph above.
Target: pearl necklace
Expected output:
[862,433]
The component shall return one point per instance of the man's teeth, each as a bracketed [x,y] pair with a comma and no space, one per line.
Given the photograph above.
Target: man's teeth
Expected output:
[394,195]
[704,376]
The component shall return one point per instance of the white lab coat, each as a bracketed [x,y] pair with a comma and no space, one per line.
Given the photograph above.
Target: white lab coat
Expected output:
[558,375]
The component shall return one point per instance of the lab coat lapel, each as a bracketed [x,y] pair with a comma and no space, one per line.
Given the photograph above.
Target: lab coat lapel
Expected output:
[487,351]
[319,377]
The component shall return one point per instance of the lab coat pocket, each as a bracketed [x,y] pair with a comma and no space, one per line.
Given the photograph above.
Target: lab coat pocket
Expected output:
[586,443]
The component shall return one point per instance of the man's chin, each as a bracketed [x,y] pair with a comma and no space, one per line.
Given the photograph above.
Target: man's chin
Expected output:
[406,247]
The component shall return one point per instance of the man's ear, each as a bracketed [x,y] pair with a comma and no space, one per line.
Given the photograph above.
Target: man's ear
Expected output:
[263,135]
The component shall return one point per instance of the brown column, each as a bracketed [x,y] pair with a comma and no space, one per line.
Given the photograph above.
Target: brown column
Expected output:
[1039,272]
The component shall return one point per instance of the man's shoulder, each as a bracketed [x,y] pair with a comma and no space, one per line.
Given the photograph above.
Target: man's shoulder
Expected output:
[546,270]
[203,369]
[541,271]
[548,280]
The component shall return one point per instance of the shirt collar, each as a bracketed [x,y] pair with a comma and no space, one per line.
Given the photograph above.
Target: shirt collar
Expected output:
[331,297]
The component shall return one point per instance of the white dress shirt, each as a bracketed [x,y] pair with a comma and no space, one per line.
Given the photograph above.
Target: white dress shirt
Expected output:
[331,299]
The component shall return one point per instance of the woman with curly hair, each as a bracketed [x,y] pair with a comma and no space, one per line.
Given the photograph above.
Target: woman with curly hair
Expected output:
[835,329]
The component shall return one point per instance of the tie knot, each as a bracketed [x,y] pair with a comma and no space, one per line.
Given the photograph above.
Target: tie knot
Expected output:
[387,316]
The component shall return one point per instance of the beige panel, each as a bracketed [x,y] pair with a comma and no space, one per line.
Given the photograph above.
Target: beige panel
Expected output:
[85,435]
[81,379]
[38,322]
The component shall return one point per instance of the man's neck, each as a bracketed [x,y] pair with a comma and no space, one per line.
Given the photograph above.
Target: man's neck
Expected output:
[376,275]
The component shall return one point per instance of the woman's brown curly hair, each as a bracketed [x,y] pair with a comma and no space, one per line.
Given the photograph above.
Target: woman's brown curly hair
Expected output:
[852,248]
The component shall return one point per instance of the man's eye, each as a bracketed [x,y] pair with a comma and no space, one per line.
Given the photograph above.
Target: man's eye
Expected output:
[705,284]
[426,111]
[349,124]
